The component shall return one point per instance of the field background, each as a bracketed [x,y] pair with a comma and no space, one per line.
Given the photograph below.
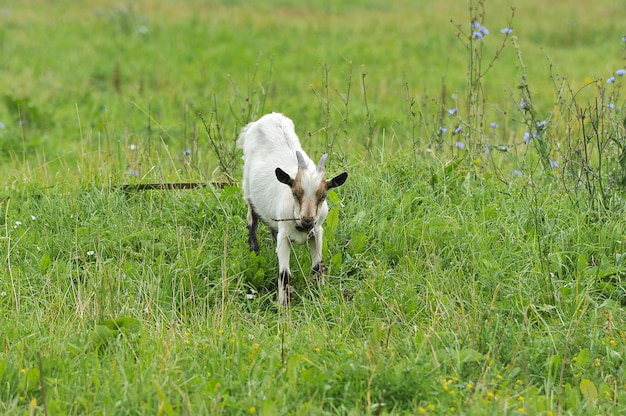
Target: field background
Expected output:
[474,256]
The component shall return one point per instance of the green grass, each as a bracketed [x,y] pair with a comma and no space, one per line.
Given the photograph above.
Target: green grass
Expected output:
[459,281]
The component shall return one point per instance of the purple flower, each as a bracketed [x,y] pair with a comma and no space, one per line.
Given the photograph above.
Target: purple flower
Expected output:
[452,111]
[457,130]
[477,35]
[527,137]
[541,124]
[460,145]
[611,106]
[487,149]
[476,24]
[494,124]
[484,30]
[187,152]
[620,72]
[554,164]
[443,130]
[517,172]
[523,104]
[506,30]
[624,38]
[610,80]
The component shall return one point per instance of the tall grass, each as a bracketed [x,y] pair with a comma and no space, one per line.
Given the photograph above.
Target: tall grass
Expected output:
[474,258]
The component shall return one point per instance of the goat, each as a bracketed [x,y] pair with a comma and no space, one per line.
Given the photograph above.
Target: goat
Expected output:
[286,190]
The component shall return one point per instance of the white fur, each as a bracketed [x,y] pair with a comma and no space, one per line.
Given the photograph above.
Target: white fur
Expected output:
[270,143]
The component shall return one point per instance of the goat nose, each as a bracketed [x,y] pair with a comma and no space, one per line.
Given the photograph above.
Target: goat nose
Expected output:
[307,222]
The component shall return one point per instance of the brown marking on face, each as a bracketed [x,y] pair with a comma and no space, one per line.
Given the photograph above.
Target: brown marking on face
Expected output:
[308,206]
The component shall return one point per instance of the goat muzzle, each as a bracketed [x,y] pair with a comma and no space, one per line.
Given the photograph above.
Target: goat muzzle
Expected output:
[306,224]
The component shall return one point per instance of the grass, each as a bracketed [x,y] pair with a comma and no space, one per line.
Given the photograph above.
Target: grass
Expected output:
[477,272]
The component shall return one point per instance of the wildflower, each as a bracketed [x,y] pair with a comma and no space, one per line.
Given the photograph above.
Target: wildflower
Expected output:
[477,35]
[475,24]
[610,80]
[453,111]
[17,224]
[90,253]
[460,145]
[611,106]
[506,30]
[494,124]
[2,125]
[624,38]
[133,172]
[487,149]
[470,385]
[620,72]
[443,130]
[524,105]
[32,217]
[483,30]
[3,293]
[250,295]
[527,137]
[132,147]
[187,152]
[457,130]
[554,164]
[517,172]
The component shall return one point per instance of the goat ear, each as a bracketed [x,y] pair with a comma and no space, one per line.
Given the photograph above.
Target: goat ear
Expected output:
[283,177]
[337,180]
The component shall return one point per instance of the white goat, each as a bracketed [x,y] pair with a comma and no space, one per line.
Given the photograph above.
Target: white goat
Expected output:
[273,158]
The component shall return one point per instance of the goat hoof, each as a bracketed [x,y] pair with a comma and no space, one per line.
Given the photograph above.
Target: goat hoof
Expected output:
[318,269]
[284,295]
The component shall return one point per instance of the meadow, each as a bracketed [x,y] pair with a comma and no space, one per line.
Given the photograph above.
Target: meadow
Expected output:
[475,258]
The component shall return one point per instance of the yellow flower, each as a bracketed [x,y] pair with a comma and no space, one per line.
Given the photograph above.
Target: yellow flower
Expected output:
[252,410]
[470,386]
[421,410]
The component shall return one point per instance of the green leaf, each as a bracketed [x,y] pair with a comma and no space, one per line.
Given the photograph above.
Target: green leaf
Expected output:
[44,263]
[332,220]
[583,358]
[125,324]
[101,335]
[165,406]
[332,196]
[589,391]
[469,355]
